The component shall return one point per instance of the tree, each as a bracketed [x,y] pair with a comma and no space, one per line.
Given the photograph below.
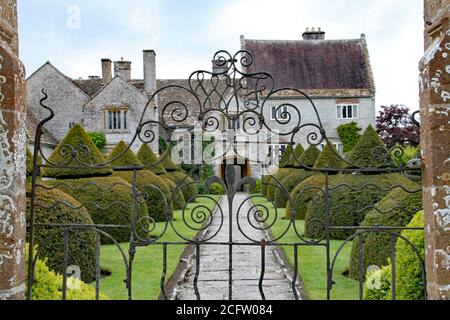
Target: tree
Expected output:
[395,126]
[349,134]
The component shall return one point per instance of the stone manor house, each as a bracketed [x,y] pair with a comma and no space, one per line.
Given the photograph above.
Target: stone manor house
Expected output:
[336,74]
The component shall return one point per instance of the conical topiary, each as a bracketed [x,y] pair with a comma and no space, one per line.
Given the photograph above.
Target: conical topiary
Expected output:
[79,166]
[284,160]
[150,160]
[329,158]
[309,157]
[370,150]
[124,158]
[168,163]
[295,156]
[29,162]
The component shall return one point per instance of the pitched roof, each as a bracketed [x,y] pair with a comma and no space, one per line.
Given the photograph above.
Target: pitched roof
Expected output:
[320,66]
[90,86]
[32,124]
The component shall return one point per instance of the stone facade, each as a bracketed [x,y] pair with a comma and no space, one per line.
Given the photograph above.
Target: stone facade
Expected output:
[435,115]
[12,158]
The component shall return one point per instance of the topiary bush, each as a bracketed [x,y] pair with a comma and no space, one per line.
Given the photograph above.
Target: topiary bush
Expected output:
[290,182]
[346,205]
[328,158]
[189,188]
[264,181]
[178,198]
[408,264]
[88,155]
[29,162]
[167,162]
[309,157]
[376,246]
[217,189]
[122,156]
[150,160]
[370,151]
[378,284]
[285,157]
[48,285]
[55,207]
[109,202]
[295,156]
[280,175]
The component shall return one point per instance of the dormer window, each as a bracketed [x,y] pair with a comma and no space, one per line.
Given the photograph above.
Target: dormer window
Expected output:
[116,120]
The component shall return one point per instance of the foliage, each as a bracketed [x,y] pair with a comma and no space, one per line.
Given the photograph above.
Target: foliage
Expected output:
[55,207]
[296,156]
[264,181]
[395,126]
[108,201]
[123,156]
[257,188]
[217,189]
[163,146]
[29,162]
[188,186]
[378,284]
[309,157]
[394,210]
[408,266]
[285,157]
[178,201]
[329,158]
[275,180]
[409,153]
[155,192]
[350,135]
[99,139]
[168,163]
[48,285]
[76,139]
[290,182]
[366,152]
[347,205]
[150,160]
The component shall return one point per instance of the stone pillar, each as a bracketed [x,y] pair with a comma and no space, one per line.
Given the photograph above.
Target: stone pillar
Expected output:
[12,157]
[435,136]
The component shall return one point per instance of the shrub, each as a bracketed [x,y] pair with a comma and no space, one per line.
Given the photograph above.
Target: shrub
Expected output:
[79,140]
[290,182]
[285,157]
[217,189]
[108,201]
[328,158]
[189,188]
[349,135]
[408,266]
[257,188]
[29,162]
[264,181]
[370,150]
[178,199]
[55,207]
[48,285]
[295,156]
[280,175]
[396,211]
[168,163]
[122,156]
[409,153]
[346,205]
[309,157]
[381,277]
[150,160]
[99,139]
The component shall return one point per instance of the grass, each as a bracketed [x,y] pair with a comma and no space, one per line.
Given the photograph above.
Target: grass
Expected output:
[312,261]
[148,262]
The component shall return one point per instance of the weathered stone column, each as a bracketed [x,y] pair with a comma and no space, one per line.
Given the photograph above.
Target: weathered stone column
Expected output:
[435,135]
[12,157]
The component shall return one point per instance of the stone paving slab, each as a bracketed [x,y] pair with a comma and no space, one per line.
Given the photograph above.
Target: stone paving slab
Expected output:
[214,264]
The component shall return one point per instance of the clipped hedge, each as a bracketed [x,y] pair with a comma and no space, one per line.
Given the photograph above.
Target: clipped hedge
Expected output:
[285,157]
[79,140]
[48,285]
[376,246]
[189,188]
[309,157]
[217,189]
[29,162]
[122,156]
[54,207]
[290,182]
[178,199]
[369,146]
[328,158]
[109,202]
[346,205]
[150,160]
[295,156]
[167,162]
[280,175]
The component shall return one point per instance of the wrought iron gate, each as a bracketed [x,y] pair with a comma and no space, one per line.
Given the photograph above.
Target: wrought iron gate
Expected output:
[236,104]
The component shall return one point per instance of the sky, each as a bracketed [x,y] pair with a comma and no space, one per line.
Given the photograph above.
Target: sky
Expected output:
[74,35]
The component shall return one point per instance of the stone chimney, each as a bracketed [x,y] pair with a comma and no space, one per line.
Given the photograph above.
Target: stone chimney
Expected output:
[123,69]
[149,71]
[106,70]
[313,34]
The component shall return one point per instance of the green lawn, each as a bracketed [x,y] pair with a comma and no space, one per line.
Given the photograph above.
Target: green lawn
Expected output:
[148,265]
[312,262]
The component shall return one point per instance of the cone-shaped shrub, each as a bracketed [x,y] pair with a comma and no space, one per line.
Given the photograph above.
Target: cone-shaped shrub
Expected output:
[285,157]
[188,186]
[309,157]
[329,158]
[108,201]
[275,180]
[178,199]
[347,205]
[394,210]
[76,139]
[150,160]
[370,150]
[296,156]
[155,189]
[29,162]
[168,163]
[290,182]
[56,207]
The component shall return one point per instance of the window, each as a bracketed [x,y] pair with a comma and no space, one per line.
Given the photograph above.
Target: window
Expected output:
[116,120]
[275,153]
[347,111]
[279,113]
